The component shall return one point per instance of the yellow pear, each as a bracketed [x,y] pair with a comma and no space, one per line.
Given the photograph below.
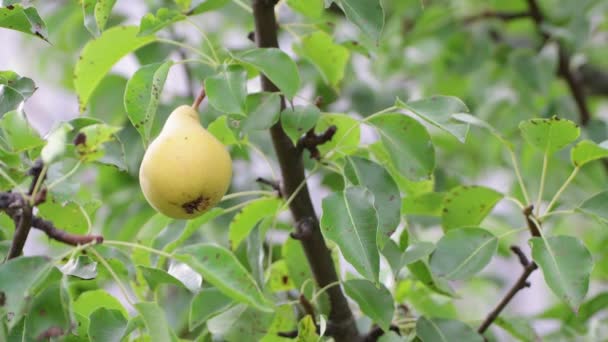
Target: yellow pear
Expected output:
[185,170]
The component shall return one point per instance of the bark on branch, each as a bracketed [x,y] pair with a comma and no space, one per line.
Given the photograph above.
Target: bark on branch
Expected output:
[292,171]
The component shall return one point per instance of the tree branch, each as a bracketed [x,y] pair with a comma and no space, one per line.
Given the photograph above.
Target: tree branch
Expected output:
[564,71]
[292,171]
[521,283]
[62,236]
[311,140]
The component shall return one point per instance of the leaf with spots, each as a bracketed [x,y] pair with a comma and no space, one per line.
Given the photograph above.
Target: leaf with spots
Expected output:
[566,264]
[279,279]
[368,15]
[18,278]
[375,301]
[23,19]
[96,14]
[549,135]
[297,265]
[90,145]
[221,268]
[298,120]
[164,17]
[439,111]
[277,66]
[387,199]
[14,91]
[142,96]
[596,206]
[587,151]
[49,310]
[328,57]
[408,144]
[351,221]
[462,253]
[99,55]
[426,204]
[445,330]
[468,206]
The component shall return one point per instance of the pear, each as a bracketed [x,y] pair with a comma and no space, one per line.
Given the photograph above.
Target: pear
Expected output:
[185,170]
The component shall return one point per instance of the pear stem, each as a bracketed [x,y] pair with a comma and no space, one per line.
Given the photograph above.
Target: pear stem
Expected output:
[199,99]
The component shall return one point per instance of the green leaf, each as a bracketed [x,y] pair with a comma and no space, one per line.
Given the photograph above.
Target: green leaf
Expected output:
[96,14]
[219,128]
[387,199]
[376,302]
[549,135]
[535,72]
[14,90]
[49,310]
[307,330]
[277,66]
[192,226]
[427,204]
[422,271]
[156,277]
[241,323]
[586,151]
[206,304]
[467,205]
[221,268]
[18,277]
[473,120]
[328,57]
[90,301]
[297,264]
[299,120]
[23,19]
[518,327]
[142,96]
[227,91]
[310,8]
[70,216]
[368,15]
[596,206]
[438,111]
[81,267]
[107,325]
[91,139]
[279,280]
[264,109]
[156,322]
[245,221]
[346,139]
[99,55]
[445,330]
[416,251]
[408,144]
[164,17]
[566,264]
[462,253]
[351,221]
[56,143]
[207,5]
[18,133]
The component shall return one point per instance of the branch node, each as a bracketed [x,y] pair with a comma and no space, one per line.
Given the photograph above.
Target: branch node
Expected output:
[523,259]
[311,141]
[272,183]
[304,229]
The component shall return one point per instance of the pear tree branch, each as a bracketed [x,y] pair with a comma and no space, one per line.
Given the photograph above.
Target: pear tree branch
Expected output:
[341,321]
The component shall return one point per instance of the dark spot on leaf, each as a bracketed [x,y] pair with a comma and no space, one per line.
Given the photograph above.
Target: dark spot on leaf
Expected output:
[42,312]
[445,210]
[80,139]
[2,298]
[10,7]
[284,279]
[217,255]
[50,333]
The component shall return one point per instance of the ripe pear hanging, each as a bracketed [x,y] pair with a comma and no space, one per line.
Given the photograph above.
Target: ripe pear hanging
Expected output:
[185,171]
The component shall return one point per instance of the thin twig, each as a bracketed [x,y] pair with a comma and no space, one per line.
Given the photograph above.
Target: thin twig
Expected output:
[62,236]
[522,282]
[311,141]
[272,183]
[489,14]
